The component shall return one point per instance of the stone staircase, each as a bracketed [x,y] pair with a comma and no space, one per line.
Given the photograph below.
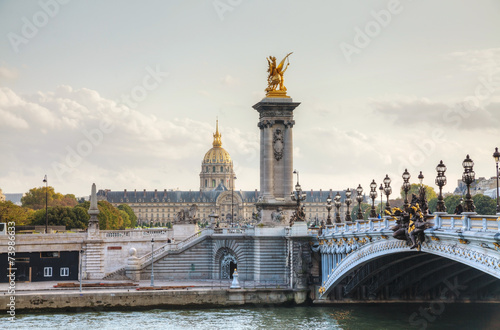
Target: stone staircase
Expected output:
[94,261]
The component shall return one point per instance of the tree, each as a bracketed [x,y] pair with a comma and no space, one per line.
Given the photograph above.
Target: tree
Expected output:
[131,215]
[11,212]
[415,189]
[61,216]
[484,204]
[109,216]
[35,198]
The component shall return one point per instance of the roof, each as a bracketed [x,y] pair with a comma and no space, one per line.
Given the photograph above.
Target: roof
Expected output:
[159,196]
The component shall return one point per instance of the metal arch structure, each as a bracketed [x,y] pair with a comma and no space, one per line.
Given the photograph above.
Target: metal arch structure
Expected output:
[359,251]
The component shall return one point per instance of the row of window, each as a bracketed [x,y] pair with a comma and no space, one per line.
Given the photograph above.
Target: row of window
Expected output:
[214,168]
[47,271]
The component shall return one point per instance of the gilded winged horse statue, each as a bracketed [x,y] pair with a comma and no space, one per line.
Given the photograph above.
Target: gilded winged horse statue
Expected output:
[275,81]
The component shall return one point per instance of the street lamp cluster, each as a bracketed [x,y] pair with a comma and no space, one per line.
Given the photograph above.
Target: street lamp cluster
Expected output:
[468,178]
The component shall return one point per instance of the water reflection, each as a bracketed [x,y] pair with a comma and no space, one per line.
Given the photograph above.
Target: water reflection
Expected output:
[379,316]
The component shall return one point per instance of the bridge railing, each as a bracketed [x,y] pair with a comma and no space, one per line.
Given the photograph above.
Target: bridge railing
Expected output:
[133,233]
[464,222]
[468,222]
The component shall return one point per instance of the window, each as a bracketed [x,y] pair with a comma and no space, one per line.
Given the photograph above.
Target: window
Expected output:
[206,183]
[49,255]
[222,169]
[47,272]
[213,183]
[213,169]
[64,271]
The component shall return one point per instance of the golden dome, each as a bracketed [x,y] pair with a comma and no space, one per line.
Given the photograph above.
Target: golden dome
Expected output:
[217,155]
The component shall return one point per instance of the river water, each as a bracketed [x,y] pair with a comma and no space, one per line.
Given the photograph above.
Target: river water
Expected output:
[380,316]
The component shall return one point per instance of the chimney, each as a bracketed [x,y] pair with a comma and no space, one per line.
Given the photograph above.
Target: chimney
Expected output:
[135,193]
[164,193]
[156,193]
[144,193]
[125,193]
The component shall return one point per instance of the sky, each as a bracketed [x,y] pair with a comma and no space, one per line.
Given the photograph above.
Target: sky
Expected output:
[126,93]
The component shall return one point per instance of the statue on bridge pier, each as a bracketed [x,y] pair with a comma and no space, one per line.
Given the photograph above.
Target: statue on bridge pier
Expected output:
[410,223]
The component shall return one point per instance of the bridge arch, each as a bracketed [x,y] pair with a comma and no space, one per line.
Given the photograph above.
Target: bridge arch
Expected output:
[380,262]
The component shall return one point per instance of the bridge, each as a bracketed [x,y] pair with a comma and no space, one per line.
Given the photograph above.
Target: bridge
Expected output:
[459,260]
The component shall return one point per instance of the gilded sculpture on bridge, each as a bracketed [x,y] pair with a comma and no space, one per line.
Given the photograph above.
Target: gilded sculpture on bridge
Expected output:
[411,223]
[275,80]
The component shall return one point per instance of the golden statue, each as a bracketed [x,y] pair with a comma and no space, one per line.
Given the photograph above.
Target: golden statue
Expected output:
[275,81]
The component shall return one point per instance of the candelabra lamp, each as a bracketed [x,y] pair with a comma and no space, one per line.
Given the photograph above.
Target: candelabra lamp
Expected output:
[440,182]
[338,204]
[496,156]
[348,202]
[373,196]
[329,208]
[359,198]
[468,177]
[387,191]
[406,187]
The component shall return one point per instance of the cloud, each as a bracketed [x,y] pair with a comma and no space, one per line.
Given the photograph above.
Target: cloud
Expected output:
[481,61]
[47,128]
[462,115]
[229,80]
[7,73]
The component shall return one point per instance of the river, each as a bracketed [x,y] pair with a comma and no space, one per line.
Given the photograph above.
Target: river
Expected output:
[379,316]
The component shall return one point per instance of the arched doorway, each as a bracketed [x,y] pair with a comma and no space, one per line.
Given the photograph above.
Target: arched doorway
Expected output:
[228,264]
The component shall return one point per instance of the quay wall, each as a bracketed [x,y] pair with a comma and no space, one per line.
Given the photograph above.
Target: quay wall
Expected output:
[75,301]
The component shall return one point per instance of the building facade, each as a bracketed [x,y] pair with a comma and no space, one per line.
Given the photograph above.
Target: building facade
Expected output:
[216,196]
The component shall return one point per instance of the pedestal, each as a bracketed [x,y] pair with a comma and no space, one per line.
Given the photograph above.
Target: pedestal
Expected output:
[183,231]
[276,159]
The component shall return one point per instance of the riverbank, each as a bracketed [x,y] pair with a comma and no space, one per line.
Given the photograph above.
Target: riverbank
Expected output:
[43,297]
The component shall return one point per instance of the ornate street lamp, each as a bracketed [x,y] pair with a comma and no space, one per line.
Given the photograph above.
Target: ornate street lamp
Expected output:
[406,187]
[348,202]
[387,191]
[468,177]
[496,156]
[46,203]
[359,198]
[298,195]
[329,208]
[440,182]
[152,261]
[373,196]
[232,202]
[381,188]
[338,203]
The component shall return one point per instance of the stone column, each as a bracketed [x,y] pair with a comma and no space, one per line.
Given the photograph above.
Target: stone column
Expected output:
[288,161]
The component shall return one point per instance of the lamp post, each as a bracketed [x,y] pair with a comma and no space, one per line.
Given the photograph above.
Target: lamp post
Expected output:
[373,195]
[406,187]
[359,198]
[387,191]
[81,257]
[46,203]
[338,203]
[348,202]
[298,195]
[152,262]
[440,182]
[329,208]
[468,177]
[232,201]
[496,156]
[381,188]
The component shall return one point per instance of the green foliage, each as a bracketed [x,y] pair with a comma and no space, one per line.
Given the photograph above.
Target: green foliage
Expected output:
[415,189]
[61,216]
[35,198]
[126,218]
[365,209]
[132,222]
[484,205]
[12,212]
